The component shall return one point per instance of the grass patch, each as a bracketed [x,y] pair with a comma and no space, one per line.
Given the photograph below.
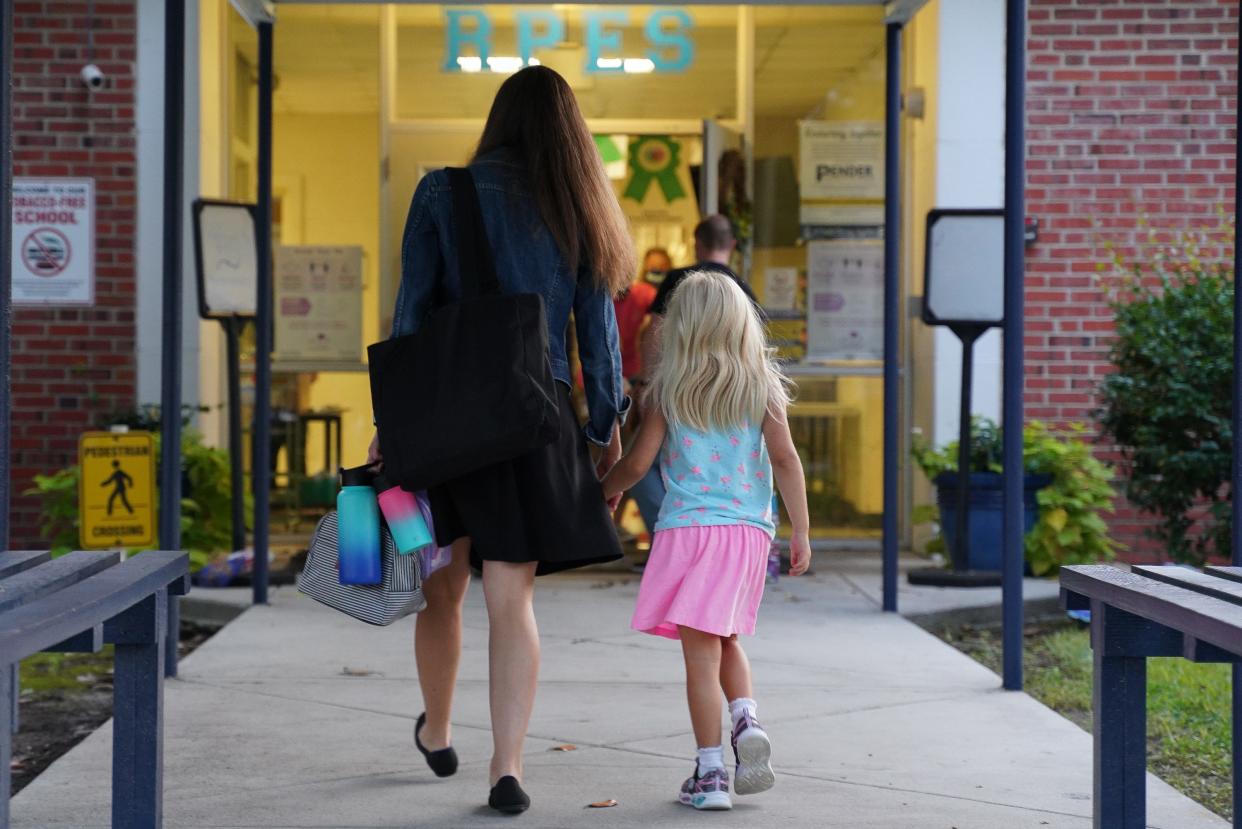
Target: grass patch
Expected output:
[1188,705]
[66,672]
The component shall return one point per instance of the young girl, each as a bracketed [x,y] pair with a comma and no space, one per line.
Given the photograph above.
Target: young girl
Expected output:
[716,418]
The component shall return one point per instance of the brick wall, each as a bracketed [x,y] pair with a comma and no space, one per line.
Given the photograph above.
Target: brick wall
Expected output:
[1130,114]
[71,366]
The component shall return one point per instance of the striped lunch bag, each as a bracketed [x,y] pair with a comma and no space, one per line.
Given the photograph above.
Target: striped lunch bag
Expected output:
[399,593]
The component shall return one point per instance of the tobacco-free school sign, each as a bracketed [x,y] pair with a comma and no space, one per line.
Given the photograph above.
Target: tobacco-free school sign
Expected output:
[53,241]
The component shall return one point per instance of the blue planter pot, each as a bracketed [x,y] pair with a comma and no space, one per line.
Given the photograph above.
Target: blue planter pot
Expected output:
[987,510]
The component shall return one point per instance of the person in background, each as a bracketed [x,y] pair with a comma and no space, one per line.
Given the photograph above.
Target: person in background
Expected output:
[656,264]
[714,244]
[632,306]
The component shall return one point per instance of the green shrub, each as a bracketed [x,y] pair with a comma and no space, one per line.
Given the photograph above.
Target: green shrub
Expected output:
[1069,529]
[1168,403]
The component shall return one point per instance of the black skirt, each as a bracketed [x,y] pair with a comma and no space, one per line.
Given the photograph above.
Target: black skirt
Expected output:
[546,506]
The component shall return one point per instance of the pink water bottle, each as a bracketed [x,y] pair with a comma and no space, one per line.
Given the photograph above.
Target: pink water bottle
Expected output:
[405,520]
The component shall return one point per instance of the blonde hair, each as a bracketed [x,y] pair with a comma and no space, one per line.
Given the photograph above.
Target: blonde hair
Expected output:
[716,370]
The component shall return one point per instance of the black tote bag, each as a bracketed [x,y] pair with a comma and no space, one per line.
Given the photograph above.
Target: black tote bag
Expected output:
[473,386]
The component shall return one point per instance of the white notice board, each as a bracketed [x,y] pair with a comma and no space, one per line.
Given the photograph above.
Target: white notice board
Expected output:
[53,225]
[319,303]
[228,261]
[845,299]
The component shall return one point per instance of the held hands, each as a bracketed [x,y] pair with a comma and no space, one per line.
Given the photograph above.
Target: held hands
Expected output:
[799,553]
[608,458]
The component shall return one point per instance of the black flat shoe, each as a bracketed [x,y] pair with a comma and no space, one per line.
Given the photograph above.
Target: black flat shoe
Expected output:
[507,796]
[444,761]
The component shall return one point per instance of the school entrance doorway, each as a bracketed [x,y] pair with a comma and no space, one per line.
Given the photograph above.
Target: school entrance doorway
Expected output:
[772,115]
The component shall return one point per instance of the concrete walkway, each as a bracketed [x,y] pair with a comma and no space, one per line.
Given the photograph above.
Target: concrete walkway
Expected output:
[295,716]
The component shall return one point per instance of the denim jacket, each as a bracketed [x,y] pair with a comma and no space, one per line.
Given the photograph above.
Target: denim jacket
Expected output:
[528,260]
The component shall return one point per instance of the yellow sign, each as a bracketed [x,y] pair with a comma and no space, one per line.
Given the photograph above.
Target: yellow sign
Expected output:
[116,491]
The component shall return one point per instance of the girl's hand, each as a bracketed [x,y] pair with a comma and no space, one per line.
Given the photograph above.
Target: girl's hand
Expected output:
[373,452]
[799,553]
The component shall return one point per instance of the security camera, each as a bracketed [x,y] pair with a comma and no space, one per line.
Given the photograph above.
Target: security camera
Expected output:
[93,76]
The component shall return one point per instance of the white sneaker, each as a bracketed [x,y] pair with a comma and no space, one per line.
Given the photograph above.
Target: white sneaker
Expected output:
[710,792]
[753,751]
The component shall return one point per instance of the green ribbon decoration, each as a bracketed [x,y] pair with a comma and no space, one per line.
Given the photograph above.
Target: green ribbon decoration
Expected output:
[654,158]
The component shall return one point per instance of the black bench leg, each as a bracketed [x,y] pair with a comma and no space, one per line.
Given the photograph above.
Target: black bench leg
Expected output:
[1119,706]
[138,714]
[7,727]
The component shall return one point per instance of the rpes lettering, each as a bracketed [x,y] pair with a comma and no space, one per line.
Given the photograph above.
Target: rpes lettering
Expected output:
[470,33]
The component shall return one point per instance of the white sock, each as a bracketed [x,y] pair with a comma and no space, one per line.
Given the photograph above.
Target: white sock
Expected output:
[740,706]
[711,758]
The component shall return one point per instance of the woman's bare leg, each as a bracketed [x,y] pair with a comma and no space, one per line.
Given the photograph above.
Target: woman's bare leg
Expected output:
[437,644]
[513,659]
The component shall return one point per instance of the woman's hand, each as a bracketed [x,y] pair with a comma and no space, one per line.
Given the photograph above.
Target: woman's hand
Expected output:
[610,454]
[799,553]
[373,452]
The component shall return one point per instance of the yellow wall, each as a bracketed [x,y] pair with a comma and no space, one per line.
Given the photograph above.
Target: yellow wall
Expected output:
[212,183]
[330,164]
[920,177]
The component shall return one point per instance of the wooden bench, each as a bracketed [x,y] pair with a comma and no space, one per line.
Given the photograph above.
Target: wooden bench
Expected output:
[78,603]
[1149,611]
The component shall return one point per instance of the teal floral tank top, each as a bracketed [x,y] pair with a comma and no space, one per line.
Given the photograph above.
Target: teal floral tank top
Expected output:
[715,478]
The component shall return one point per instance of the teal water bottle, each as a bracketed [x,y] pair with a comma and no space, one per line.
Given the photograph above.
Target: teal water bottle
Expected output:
[358,528]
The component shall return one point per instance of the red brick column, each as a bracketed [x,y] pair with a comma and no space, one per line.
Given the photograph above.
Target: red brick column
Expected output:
[1130,114]
[72,366]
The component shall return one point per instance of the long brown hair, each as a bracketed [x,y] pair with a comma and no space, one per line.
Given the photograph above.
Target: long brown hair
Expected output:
[536,116]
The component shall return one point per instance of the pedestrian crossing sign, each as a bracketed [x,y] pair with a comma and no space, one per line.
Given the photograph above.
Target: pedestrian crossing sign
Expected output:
[116,489]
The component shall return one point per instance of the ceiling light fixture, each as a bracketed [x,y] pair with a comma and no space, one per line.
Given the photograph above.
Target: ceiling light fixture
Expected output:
[633,66]
[503,64]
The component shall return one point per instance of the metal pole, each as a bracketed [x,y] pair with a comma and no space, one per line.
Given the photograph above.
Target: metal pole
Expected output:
[1236,517]
[232,334]
[6,254]
[892,308]
[1011,415]
[261,430]
[6,322]
[170,369]
[961,550]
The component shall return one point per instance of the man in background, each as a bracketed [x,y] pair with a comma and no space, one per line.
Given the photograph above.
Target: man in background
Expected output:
[714,244]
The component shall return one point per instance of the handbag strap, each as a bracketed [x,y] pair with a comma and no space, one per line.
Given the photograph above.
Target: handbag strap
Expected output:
[474,252]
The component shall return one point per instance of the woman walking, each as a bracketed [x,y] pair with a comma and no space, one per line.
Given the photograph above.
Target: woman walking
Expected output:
[555,229]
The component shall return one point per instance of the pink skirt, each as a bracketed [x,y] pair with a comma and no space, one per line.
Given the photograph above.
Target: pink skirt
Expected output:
[706,578]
